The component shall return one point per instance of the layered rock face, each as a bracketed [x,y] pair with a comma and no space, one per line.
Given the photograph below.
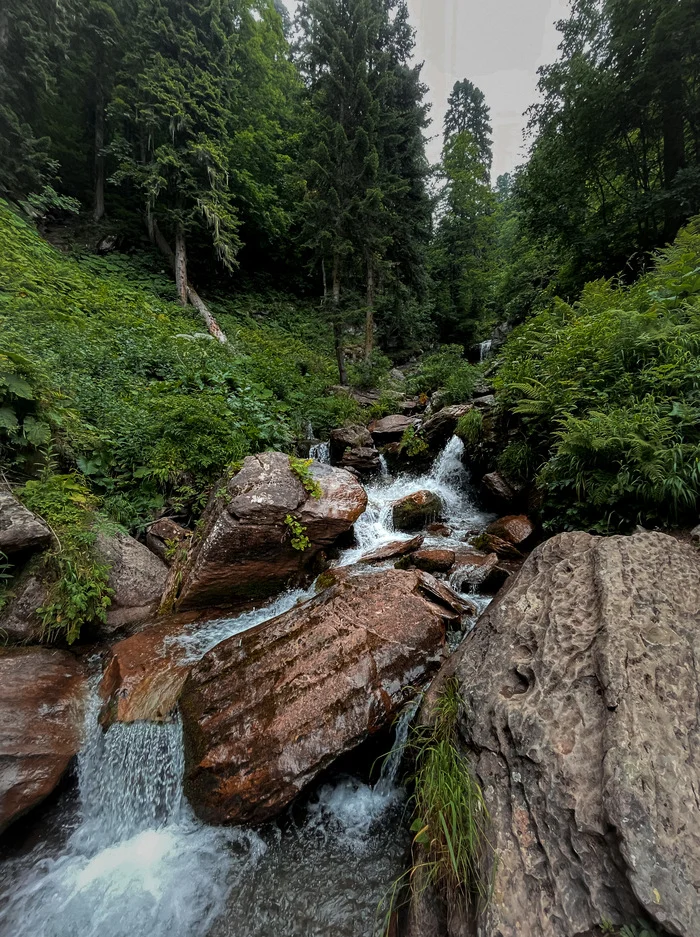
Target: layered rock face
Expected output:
[266,711]
[42,695]
[245,548]
[582,691]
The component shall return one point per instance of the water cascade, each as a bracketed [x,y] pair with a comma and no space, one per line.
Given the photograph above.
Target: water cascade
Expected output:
[137,861]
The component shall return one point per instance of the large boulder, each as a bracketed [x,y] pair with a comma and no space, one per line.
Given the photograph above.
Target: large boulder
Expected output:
[19,620]
[581,698]
[480,573]
[348,437]
[391,428]
[168,540]
[498,492]
[42,695]
[515,529]
[20,530]
[137,578]
[416,510]
[244,550]
[438,429]
[433,560]
[265,712]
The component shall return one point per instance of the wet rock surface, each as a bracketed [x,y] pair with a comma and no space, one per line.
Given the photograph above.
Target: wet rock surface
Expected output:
[416,510]
[433,561]
[42,695]
[266,711]
[497,491]
[440,427]
[390,429]
[581,692]
[348,437]
[395,549]
[245,549]
[515,529]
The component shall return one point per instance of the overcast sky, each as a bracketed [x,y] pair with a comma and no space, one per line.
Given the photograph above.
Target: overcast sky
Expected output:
[497,44]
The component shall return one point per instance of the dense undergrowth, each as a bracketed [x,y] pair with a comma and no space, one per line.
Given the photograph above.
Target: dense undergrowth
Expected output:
[606,395]
[124,389]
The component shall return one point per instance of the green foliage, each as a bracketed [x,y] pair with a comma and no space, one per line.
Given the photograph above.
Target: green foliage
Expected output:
[302,470]
[436,369]
[517,461]
[452,850]
[370,372]
[412,444]
[78,590]
[607,393]
[150,414]
[640,929]
[297,533]
[470,427]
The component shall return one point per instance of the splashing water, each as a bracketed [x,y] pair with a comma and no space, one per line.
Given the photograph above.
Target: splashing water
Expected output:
[138,862]
[485,349]
[448,478]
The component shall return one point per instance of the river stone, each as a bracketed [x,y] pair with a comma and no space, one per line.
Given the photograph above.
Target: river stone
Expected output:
[265,712]
[581,698]
[515,529]
[497,490]
[348,437]
[364,461]
[416,510]
[244,550]
[393,550]
[20,530]
[433,560]
[441,427]
[390,429]
[137,577]
[42,697]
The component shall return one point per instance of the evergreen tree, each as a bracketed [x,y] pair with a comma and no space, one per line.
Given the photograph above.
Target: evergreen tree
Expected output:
[467,112]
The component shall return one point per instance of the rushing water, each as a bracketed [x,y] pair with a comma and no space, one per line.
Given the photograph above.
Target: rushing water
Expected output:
[485,349]
[137,863]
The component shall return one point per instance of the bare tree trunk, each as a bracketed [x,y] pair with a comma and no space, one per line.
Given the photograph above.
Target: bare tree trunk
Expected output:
[337,325]
[99,206]
[369,316]
[212,325]
[181,265]
[325,280]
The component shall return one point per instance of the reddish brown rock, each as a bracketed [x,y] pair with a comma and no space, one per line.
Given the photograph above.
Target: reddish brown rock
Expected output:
[479,572]
[144,673]
[498,491]
[42,696]
[441,427]
[393,550]
[503,548]
[433,561]
[416,510]
[167,540]
[439,530]
[245,550]
[266,711]
[390,429]
[515,529]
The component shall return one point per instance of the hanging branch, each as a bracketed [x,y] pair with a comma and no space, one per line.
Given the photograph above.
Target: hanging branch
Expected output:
[212,325]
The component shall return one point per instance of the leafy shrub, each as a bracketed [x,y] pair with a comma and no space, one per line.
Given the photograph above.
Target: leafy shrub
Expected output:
[607,395]
[470,427]
[115,378]
[297,532]
[302,470]
[447,371]
[412,443]
[517,461]
[78,590]
[366,375]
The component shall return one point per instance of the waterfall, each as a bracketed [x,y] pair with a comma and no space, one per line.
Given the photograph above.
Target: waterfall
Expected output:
[138,862]
[485,349]
[321,452]
[392,762]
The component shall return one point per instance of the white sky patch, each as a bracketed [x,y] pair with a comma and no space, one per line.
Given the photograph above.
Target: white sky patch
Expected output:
[497,44]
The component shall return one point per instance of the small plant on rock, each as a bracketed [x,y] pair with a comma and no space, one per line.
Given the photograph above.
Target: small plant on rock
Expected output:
[412,444]
[299,539]
[302,470]
[470,427]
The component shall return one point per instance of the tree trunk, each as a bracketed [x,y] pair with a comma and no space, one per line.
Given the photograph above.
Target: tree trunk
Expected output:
[99,205]
[181,265]
[369,316]
[212,325]
[337,325]
[674,150]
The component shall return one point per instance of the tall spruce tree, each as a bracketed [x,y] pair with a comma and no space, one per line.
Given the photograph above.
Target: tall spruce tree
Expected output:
[467,112]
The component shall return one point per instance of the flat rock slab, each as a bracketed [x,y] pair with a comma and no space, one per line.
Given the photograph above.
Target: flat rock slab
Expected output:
[20,530]
[393,550]
[391,428]
[266,711]
[42,699]
[515,529]
[582,692]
